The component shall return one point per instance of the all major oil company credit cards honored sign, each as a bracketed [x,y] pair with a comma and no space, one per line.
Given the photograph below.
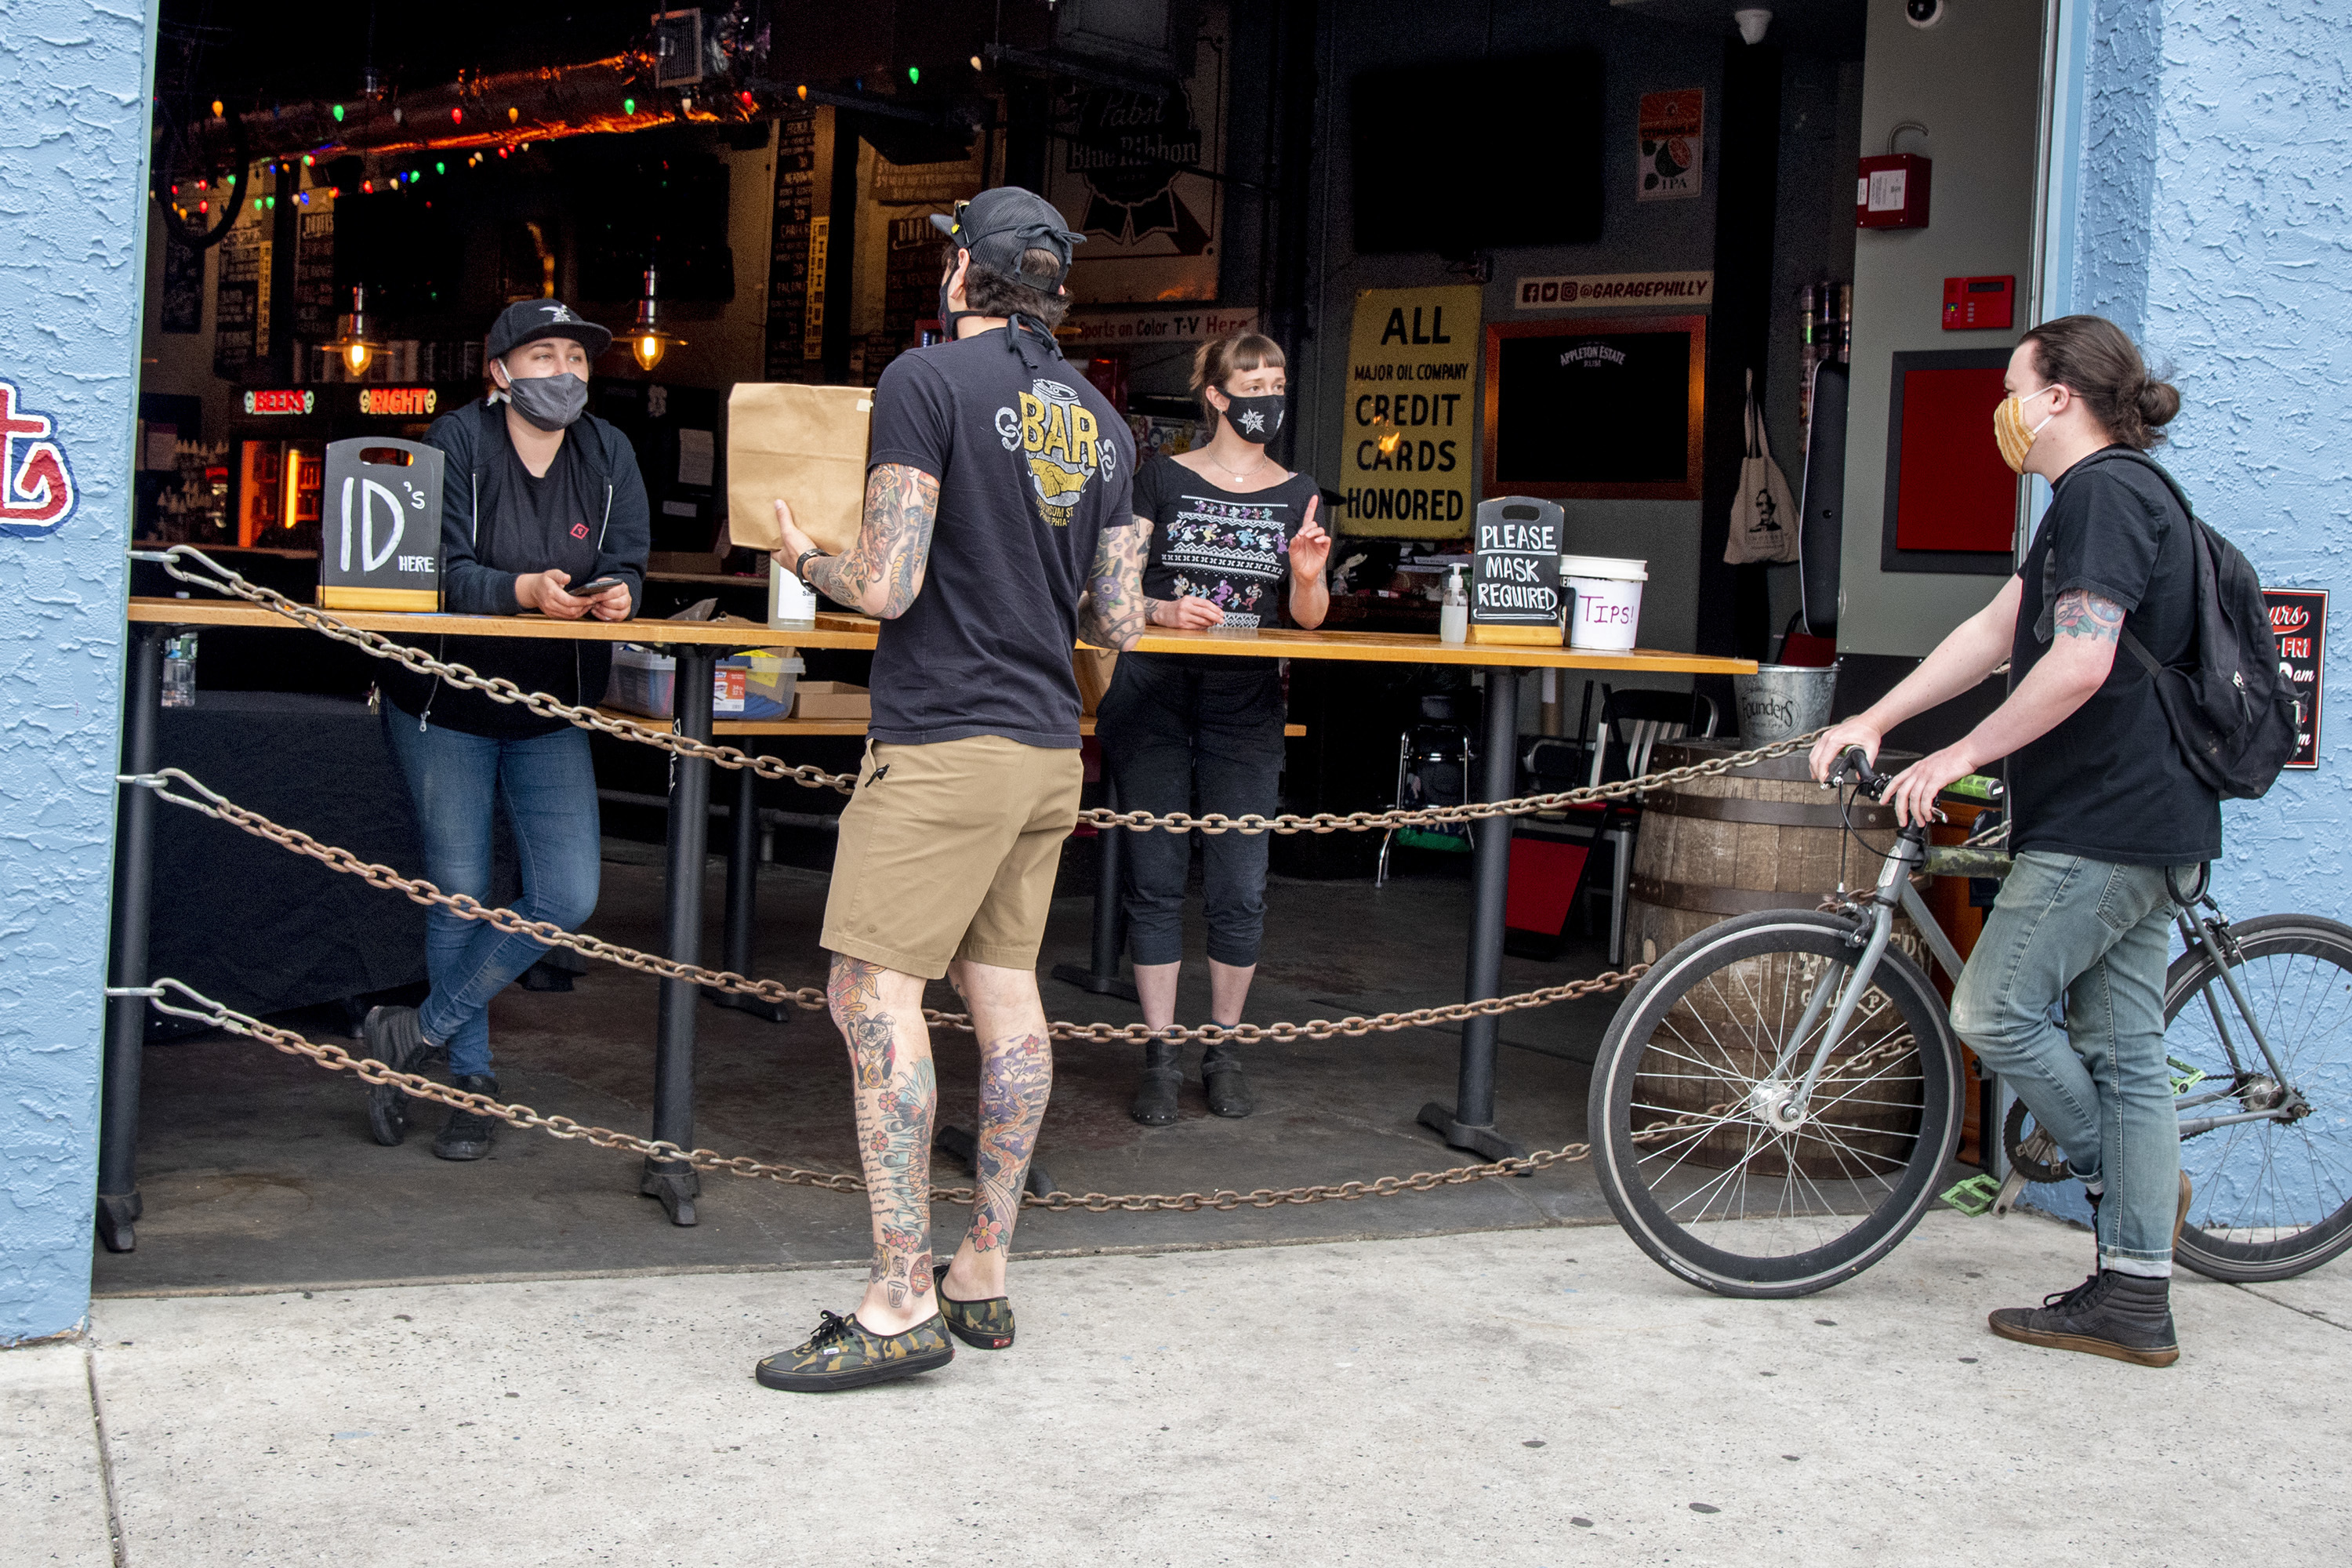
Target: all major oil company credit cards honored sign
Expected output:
[1412,377]
[2299,621]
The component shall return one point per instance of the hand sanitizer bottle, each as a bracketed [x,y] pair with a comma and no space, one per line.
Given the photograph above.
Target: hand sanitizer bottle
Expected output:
[1454,610]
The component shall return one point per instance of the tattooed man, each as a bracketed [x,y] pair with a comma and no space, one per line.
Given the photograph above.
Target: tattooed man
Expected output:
[998,528]
[2105,816]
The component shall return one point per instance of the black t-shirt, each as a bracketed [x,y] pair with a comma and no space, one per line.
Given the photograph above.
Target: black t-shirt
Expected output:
[1225,546]
[1033,464]
[552,522]
[2108,782]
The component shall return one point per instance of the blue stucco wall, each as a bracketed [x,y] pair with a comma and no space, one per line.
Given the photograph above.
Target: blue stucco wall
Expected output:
[2248,294]
[2213,221]
[74,78]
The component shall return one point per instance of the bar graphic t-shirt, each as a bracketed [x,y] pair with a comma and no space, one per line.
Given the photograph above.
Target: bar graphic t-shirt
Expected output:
[1225,546]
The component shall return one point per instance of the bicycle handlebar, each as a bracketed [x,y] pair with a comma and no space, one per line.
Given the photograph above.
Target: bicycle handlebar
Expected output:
[1854,762]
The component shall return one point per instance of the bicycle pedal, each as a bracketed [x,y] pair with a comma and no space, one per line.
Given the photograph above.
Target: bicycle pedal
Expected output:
[1972,1198]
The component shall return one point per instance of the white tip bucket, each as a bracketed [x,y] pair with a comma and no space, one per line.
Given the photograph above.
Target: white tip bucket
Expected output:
[1605,614]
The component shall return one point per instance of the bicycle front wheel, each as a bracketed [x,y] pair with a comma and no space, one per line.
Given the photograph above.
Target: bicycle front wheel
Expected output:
[2272,1198]
[1705,1183]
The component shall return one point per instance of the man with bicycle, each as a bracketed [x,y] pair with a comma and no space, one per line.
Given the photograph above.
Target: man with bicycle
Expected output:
[2102,807]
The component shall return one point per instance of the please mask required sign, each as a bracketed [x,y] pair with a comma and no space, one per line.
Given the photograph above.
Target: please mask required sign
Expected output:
[1515,575]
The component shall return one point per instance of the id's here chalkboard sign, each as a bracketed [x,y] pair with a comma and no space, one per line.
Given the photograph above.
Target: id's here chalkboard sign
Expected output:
[379,525]
[1515,594]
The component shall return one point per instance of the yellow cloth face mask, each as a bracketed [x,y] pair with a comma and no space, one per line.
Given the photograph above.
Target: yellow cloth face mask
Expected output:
[2009,428]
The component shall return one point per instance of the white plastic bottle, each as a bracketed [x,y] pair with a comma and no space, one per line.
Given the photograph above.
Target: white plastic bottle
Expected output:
[1454,610]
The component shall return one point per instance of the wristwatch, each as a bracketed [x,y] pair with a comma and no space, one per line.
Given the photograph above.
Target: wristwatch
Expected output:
[800,565]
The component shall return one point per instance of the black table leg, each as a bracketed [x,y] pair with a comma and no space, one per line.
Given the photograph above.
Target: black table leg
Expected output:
[743,902]
[674,1182]
[1101,974]
[1470,1123]
[126,1016]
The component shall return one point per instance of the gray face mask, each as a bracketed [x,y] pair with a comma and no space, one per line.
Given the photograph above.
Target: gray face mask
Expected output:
[550,402]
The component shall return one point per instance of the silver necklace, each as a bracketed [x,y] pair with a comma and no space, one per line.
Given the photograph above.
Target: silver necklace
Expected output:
[1239,473]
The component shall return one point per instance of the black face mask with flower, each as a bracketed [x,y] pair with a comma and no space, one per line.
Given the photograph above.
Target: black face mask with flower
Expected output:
[1255,419]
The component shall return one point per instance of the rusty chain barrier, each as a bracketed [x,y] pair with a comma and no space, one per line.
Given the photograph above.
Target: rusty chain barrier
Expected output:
[367,1070]
[202,1009]
[810,776]
[212,804]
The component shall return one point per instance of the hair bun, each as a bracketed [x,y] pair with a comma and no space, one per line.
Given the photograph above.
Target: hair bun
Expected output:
[2158,401]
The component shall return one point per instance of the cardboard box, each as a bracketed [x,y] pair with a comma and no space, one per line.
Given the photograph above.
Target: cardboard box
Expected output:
[805,445]
[832,699]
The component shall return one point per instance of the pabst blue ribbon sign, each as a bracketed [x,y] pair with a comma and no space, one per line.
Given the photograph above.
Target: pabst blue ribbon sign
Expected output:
[37,489]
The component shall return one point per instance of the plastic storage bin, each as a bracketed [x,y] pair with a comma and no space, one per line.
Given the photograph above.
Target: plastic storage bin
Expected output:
[757,685]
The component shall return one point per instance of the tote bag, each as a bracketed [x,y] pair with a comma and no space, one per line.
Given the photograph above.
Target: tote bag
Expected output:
[1764,515]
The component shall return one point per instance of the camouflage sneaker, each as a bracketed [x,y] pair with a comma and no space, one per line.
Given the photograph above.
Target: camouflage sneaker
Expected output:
[844,1353]
[983,1325]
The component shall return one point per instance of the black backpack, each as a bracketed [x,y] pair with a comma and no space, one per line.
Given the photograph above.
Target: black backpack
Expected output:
[2234,716]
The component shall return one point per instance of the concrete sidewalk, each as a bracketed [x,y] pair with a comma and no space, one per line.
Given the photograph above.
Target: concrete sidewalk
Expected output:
[1527,1398]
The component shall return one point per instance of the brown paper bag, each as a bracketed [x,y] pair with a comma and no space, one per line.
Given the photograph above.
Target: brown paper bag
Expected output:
[805,445]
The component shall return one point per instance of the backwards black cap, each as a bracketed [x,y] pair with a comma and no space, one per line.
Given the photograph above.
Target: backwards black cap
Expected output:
[528,321]
[998,226]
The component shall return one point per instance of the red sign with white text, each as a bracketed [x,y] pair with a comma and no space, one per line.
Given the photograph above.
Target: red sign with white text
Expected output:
[2299,621]
[36,487]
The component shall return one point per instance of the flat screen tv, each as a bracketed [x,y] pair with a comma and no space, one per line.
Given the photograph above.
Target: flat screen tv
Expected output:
[1473,154]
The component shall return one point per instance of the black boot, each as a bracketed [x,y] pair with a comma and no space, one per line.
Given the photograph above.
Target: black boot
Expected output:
[2127,1317]
[1155,1097]
[1221,1074]
[466,1135]
[391,1038]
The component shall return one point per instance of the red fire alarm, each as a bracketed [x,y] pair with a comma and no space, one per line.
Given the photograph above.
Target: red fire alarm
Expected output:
[1892,192]
[1976,304]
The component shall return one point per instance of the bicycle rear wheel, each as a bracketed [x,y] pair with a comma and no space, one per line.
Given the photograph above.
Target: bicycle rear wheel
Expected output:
[1704,1184]
[2272,1199]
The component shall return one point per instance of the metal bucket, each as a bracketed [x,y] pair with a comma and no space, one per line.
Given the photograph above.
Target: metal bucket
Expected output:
[1782,700]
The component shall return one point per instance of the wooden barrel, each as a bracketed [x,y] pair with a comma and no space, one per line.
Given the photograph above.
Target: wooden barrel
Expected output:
[1761,838]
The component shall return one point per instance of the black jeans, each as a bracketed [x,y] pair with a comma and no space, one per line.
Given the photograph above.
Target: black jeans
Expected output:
[1186,734]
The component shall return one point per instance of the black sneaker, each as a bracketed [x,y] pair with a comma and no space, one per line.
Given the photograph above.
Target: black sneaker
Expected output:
[983,1325]
[2126,1317]
[844,1353]
[391,1038]
[466,1135]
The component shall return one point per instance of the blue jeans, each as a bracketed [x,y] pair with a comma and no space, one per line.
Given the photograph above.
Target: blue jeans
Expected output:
[457,781]
[2093,936]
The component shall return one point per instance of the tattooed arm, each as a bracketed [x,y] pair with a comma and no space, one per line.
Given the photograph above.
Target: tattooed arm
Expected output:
[883,572]
[1113,611]
[2081,652]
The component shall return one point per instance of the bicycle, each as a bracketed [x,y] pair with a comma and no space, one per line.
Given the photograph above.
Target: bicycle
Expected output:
[1757,1158]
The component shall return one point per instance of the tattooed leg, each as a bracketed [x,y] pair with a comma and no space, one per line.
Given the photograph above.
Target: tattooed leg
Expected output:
[1017,1077]
[880,1014]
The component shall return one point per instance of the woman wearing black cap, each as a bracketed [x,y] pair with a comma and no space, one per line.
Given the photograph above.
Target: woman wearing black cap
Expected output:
[542,511]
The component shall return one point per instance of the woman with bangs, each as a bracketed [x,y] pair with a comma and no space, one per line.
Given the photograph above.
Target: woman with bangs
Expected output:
[1234,544]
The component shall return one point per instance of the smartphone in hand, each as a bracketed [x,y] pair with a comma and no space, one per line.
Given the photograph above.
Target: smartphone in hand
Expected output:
[601,585]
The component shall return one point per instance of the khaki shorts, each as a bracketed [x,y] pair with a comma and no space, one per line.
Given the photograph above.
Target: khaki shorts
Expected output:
[948,851]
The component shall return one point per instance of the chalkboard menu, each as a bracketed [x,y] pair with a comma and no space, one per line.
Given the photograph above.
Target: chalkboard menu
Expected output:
[2299,621]
[789,278]
[1610,409]
[1515,574]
